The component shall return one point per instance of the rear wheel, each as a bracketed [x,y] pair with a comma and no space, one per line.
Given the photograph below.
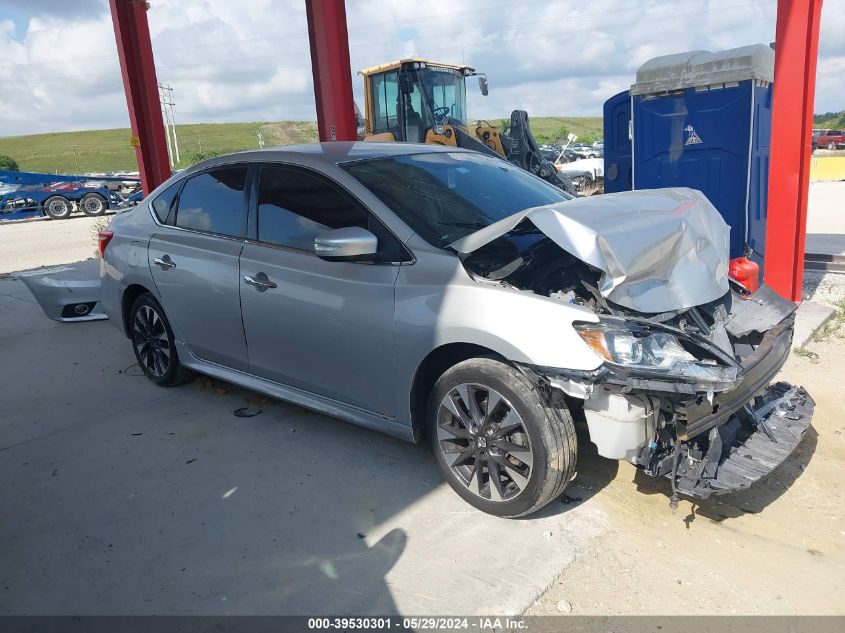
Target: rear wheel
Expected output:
[93,204]
[58,207]
[152,340]
[498,444]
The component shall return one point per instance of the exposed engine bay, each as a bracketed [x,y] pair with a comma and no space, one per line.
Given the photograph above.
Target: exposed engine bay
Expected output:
[683,393]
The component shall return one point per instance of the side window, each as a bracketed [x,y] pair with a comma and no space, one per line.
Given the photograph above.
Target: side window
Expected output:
[214,202]
[163,201]
[295,206]
[385,99]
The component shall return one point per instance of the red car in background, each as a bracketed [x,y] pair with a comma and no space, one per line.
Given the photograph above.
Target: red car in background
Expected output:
[829,139]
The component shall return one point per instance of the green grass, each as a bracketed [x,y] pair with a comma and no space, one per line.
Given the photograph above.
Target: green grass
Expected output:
[110,150]
[549,129]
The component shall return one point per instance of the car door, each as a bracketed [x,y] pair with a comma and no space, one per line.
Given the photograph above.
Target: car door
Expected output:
[322,326]
[194,263]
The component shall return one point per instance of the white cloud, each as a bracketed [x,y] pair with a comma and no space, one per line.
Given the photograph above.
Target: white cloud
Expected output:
[249,60]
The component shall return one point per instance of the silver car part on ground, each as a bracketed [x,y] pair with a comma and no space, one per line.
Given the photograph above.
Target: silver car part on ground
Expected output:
[659,249]
[67,293]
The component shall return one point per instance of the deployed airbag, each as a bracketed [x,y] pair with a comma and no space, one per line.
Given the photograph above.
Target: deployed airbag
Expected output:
[659,249]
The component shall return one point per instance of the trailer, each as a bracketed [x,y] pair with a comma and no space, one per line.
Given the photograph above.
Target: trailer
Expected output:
[59,200]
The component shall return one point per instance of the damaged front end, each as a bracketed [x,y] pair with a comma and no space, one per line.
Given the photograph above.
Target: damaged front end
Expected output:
[685,387]
[689,397]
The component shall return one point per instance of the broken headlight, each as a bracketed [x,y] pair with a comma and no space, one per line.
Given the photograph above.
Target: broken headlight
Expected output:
[655,352]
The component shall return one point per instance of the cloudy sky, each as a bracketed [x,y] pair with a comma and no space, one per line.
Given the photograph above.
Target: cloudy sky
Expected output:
[248,60]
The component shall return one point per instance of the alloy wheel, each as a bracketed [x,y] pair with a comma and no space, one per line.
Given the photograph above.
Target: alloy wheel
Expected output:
[150,339]
[483,440]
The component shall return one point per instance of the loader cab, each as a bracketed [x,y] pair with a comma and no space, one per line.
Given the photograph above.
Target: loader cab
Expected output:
[405,99]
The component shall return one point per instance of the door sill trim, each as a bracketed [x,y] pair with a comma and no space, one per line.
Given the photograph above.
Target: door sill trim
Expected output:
[297,396]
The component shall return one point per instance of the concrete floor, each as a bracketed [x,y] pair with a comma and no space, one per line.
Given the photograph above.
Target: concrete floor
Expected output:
[121,497]
[826,218]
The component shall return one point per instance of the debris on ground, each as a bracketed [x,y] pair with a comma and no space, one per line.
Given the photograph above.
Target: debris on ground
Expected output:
[564,606]
[246,412]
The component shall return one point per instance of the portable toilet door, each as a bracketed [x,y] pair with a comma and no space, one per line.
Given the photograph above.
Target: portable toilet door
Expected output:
[702,120]
[617,143]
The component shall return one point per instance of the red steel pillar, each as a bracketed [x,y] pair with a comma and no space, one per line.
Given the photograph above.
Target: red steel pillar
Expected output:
[132,33]
[331,70]
[796,49]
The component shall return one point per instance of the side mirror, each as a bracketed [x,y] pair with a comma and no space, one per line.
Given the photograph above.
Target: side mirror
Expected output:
[349,244]
[482,84]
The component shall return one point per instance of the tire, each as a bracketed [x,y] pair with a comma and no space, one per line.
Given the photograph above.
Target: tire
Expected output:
[591,156]
[831,145]
[531,445]
[57,207]
[153,344]
[93,204]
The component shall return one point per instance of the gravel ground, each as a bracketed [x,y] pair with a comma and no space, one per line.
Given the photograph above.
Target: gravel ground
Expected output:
[827,288]
[25,245]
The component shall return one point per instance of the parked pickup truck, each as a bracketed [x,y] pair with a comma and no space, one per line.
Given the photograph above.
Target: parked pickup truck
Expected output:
[829,139]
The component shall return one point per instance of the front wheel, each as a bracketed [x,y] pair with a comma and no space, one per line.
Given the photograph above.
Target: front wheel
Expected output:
[497,442]
[152,340]
[831,145]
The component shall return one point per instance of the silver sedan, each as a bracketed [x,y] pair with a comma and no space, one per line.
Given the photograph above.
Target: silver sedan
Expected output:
[442,294]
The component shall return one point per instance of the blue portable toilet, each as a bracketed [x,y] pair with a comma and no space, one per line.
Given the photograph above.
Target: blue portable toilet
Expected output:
[700,120]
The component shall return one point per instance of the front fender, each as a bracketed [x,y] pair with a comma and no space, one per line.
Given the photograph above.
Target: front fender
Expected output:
[518,325]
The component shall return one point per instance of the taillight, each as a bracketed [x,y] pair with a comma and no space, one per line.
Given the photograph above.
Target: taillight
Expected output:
[744,272]
[103,239]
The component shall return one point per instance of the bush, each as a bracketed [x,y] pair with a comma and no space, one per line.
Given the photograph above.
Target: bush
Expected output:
[8,163]
[197,157]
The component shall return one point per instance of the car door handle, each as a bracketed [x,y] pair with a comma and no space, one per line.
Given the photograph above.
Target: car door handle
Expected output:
[164,262]
[260,281]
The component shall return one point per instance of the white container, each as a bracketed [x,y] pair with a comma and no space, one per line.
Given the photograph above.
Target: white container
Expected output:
[620,425]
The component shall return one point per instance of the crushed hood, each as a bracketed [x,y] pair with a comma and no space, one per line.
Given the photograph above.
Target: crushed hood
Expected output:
[659,249]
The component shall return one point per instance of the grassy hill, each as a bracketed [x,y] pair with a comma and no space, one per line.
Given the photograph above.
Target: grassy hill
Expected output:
[110,150]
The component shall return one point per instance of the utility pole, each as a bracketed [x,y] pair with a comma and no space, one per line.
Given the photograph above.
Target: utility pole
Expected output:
[163,101]
[167,104]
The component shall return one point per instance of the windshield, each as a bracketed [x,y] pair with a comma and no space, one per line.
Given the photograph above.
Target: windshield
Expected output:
[445,93]
[447,196]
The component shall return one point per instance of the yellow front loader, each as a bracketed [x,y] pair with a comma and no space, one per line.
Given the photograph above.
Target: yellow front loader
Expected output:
[419,101]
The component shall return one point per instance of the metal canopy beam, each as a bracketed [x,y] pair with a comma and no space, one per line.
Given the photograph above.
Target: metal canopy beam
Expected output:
[132,34]
[330,67]
[796,49]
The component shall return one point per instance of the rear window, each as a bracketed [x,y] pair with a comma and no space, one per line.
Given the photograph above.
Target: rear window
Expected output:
[163,201]
[213,202]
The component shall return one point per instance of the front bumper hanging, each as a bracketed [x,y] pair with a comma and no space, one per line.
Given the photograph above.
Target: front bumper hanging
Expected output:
[752,443]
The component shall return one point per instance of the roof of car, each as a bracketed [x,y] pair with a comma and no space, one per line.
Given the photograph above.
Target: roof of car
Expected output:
[332,153]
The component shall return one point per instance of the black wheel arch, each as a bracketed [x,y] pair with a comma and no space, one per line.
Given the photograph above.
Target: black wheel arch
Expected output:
[436,362]
[130,295]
